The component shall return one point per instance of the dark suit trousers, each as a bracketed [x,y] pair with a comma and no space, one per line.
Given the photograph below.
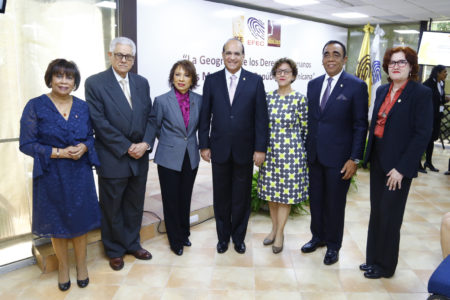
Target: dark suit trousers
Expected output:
[176,190]
[386,217]
[232,184]
[122,204]
[328,196]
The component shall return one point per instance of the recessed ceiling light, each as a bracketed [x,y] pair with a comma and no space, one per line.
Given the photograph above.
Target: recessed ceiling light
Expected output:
[107,4]
[406,31]
[350,15]
[297,2]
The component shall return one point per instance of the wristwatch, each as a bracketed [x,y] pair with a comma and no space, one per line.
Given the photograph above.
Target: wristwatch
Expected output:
[355,160]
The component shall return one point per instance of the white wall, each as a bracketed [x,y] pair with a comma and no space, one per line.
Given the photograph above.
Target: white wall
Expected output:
[170,30]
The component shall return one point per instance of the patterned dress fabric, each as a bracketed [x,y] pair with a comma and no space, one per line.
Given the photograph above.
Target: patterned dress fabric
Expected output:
[283,177]
[65,201]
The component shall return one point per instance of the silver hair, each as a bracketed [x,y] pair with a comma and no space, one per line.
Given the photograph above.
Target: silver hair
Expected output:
[124,41]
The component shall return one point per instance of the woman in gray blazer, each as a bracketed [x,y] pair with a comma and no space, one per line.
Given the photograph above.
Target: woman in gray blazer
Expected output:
[174,120]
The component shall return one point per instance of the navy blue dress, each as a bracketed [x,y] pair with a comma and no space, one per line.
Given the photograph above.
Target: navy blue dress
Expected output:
[65,203]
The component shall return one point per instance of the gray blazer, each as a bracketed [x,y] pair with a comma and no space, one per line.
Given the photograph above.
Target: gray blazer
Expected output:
[116,125]
[168,126]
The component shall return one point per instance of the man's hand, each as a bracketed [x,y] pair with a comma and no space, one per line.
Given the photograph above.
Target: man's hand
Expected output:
[394,180]
[206,154]
[136,151]
[258,158]
[349,169]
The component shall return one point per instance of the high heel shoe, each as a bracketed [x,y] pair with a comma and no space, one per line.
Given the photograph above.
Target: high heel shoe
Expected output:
[276,249]
[430,166]
[83,283]
[64,286]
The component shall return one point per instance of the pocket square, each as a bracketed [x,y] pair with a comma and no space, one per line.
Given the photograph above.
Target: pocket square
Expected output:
[342,97]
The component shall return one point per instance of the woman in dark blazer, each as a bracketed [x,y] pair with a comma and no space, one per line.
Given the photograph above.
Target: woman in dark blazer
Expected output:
[399,132]
[174,120]
[436,82]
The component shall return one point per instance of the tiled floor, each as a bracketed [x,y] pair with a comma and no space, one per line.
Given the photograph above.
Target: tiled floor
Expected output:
[201,273]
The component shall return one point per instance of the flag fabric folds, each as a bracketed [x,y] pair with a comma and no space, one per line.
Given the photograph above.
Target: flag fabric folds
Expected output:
[376,65]
[363,69]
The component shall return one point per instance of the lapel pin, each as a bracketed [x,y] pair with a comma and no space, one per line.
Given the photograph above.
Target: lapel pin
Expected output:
[399,100]
[243,78]
[76,116]
[342,85]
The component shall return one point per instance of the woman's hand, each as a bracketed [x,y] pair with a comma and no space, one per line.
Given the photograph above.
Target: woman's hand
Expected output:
[75,152]
[394,180]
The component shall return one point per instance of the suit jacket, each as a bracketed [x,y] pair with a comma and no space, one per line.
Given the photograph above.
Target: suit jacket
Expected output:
[407,130]
[173,138]
[437,100]
[236,130]
[337,133]
[116,125]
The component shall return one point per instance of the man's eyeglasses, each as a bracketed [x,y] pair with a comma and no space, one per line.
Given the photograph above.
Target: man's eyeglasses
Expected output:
[121,56]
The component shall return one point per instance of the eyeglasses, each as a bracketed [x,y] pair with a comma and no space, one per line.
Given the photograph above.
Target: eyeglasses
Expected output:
[400,63]
[121,56]
[285,72]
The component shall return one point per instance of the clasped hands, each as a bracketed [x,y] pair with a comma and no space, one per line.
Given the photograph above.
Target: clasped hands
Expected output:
[258,157]
[136,151]
[73,152]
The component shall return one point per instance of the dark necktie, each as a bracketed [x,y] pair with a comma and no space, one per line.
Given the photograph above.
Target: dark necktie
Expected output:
[326,94]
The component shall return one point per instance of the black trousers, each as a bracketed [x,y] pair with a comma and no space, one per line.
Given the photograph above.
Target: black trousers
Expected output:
[429,151]
[122,205]
[328,197]
[386,217]
[176,191]
[232,185]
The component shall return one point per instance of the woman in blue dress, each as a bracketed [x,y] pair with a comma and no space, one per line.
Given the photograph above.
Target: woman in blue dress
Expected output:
[56,131]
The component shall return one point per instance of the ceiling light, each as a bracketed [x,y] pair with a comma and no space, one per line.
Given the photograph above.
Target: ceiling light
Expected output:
[107,4]
[297,2]
[350,15]
[406,31]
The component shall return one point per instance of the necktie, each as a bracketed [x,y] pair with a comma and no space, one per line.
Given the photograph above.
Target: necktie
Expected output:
[124,84]
[232,89]
[326,94]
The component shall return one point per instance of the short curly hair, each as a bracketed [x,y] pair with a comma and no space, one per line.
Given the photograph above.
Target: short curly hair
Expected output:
[62,66]
[291,64]
[411,57]
[189,68]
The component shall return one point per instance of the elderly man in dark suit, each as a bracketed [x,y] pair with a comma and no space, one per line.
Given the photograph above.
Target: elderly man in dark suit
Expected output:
[337,125]
[119,106]
[233,133]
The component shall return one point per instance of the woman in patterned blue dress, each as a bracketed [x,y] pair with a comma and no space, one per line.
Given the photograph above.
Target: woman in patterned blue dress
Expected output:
[284,175]
[56,131]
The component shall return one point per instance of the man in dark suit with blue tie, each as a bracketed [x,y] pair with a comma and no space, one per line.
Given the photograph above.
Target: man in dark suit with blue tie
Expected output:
[119,106]
[233,133]
[337,128]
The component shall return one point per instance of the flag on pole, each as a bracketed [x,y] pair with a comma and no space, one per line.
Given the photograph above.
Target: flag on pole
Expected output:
[363,70]
[376,66]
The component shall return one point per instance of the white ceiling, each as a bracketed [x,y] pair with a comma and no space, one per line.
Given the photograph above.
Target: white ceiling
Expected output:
[379,11]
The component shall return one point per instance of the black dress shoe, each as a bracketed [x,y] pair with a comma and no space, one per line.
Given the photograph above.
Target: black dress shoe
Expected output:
[430,166]
[187,243]
[64,286]
[222,247]
[373,273]
[240,248]
[178,252]
[447,172]
[83,283]
[365,267]
[422,169]
[331,257]
[312,245]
